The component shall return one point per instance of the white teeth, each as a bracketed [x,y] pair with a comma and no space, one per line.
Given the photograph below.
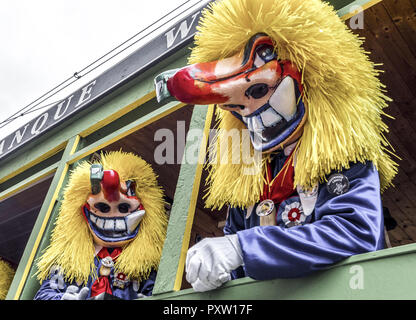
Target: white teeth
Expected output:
[120,225]
[133,220]
[257,125]
[283,99]
[282,105]
[109,224]
[254,124]
[270,117]
[100,223]
[93,218]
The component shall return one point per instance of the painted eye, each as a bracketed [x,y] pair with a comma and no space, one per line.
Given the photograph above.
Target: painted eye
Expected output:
[257,91]
[123,207]
[103,207]
[266,53]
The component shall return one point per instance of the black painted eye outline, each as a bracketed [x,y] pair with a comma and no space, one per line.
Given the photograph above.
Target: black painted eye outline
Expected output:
[103,207]
[257,91]
[124,207]
[266,52]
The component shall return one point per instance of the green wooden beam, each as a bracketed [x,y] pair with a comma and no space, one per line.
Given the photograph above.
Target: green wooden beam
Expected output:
[18,289]
[340,5]
[155,113]
[380,275]
[346,8]
[171,267]
[38,176]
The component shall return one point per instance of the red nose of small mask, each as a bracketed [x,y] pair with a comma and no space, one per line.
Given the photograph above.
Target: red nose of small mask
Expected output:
[111,185]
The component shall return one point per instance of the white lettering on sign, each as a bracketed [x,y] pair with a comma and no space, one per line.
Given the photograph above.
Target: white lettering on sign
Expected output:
[37,128]
[59,113]
[1,146]
[85,94]
[183,30]
[18,136]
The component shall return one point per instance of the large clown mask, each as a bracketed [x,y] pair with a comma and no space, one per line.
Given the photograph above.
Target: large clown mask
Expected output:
[261,90]
[112,210]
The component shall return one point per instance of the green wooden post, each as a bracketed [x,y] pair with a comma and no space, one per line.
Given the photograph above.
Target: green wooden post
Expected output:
[170,271]
[19,288]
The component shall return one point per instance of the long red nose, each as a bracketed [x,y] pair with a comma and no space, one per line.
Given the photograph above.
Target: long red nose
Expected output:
[192,85]
[111,185]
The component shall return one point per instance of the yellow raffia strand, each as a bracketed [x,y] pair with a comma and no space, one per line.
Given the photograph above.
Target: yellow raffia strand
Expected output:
[6,278]
[343,96]
[72,247]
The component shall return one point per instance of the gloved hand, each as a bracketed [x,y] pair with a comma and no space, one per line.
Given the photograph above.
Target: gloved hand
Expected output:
[210,262]
[72,293]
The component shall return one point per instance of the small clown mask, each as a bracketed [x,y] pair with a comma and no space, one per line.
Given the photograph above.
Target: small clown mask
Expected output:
[260,89]
[112,210]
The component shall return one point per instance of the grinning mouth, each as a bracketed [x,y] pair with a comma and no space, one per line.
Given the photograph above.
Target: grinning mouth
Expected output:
[114,229]
[276,120]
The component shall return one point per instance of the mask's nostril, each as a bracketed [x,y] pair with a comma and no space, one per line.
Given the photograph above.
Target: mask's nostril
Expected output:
[257,91]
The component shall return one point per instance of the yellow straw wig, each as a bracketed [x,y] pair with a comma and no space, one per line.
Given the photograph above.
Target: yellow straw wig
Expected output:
[6,277]
[343,96]
[72,247]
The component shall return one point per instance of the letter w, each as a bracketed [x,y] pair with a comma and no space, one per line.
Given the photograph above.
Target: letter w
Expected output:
[183,29]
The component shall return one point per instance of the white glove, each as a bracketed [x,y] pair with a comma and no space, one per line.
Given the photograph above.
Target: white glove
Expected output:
[72,293]
[210,262]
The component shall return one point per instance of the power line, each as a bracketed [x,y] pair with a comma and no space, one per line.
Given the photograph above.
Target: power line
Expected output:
[138,40]
[77,75]
[141,31]
[11,119]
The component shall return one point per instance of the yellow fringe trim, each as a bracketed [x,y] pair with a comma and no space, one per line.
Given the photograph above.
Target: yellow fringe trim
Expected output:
[343,96]
[6,278]
[72,247]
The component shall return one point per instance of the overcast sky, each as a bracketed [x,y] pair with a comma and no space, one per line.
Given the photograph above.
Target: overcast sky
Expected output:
[44,42]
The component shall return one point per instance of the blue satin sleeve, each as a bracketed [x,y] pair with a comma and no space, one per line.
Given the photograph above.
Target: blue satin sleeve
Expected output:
[48,291]
[341,226]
